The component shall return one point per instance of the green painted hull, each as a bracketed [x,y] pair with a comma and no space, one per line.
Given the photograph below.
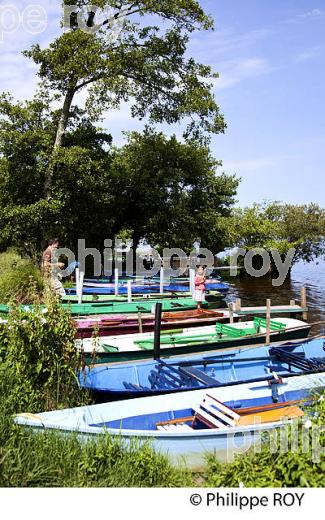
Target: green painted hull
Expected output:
[90,309]
[211,297]
[218,344]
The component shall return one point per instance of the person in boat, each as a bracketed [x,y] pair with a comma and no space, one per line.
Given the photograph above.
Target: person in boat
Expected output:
[199,285]
[51,268]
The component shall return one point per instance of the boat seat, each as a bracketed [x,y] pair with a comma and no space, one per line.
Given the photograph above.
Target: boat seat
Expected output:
[136,388]
[215,414]
[199,375]
[274,325]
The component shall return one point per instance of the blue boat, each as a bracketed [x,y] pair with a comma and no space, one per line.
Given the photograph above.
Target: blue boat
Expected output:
[193,372]
[185,426]
[221,287]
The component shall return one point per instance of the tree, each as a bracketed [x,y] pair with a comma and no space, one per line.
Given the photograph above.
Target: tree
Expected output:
[275,225]
[82,205]
[155,187]
[171,193]
[146,64]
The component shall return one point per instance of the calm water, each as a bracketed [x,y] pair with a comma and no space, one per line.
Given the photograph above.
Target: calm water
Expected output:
[255,291]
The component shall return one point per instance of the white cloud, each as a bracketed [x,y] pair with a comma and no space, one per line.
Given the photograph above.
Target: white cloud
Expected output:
[313,13]
[226,41]
[309,54]
[232,73]
[248,165]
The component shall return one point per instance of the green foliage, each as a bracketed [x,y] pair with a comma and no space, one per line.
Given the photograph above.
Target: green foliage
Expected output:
[279,466]
[153,186]
[171,193]
[275,225]
[41,359]
[20,280]
[147,64]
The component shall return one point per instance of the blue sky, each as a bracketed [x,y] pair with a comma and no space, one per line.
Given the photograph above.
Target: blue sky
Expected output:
[271,58]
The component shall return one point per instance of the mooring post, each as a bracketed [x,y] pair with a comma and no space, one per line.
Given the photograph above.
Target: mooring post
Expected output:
[81,286]
[156,347]
[129,284]
[161,289]
[231,313]
[268,322]
[77,281]
[116,281]
[192,282]
[304,303]
[140,322]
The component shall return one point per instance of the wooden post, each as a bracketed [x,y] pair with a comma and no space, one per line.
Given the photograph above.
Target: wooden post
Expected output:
[81,286]
[161,290]
[304,303]
[156,346]
[268,322]
[77,280]
[116,281]
[238,304]
[192,281]
[140,322]
[129,284]
[231,313]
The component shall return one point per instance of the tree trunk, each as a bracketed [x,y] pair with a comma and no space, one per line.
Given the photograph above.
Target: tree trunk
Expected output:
[63,122]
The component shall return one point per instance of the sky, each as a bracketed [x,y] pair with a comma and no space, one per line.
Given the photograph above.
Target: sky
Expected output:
[271,58]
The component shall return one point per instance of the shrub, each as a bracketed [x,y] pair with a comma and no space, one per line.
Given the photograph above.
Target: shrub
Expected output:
[41,358]
[20,280]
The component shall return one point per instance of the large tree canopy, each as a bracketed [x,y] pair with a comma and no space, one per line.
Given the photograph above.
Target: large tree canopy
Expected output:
[155,187]
[145,63]
[276,225]
[171,193]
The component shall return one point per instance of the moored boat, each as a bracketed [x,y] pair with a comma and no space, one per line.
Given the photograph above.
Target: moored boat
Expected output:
[190,340]
[172,375]
[173,424]
[87,309]
[109,325]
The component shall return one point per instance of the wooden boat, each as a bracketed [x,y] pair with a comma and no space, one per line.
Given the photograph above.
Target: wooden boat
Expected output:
[205,371]
[97,288]
[167,422]
[109,325]
[211,297]
[132,347]
[87,309]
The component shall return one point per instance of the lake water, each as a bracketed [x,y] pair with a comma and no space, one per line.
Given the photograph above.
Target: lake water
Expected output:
[255,291]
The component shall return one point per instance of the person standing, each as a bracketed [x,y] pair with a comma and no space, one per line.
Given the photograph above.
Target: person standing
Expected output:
[51,268]
[199,285]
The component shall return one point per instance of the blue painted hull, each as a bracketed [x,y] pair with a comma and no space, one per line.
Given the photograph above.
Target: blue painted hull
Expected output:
[136,420]
[174,375]
[149,289]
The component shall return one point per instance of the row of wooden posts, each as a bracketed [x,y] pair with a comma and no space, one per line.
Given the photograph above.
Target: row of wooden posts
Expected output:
[80,282]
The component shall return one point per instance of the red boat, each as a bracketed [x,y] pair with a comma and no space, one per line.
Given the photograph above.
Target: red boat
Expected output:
[112,325]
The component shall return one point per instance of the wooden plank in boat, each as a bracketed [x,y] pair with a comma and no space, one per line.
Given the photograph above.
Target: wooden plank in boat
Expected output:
[288,412]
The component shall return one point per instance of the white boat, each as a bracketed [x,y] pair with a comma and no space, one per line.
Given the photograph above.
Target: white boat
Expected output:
[130,347]
[180,425]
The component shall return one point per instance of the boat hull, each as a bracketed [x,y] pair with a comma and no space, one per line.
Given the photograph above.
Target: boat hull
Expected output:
[115,357]
[191,448]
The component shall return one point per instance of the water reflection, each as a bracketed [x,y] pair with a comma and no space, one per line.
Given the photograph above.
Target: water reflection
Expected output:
[255,291]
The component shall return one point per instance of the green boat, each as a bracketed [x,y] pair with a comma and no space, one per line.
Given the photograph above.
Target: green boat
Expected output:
[89,309]
[211,297]
[136,347]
